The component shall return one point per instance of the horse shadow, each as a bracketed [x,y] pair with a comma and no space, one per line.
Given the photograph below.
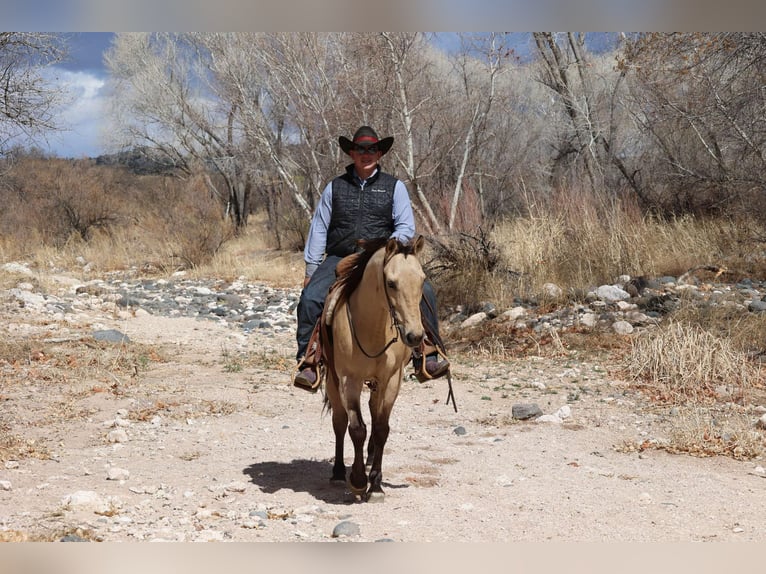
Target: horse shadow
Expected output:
[310,476]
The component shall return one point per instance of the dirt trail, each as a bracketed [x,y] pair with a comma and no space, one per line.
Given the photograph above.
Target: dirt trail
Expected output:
[198,447]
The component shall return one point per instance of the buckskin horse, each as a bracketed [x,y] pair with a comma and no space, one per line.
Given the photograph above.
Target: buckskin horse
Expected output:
[370,326]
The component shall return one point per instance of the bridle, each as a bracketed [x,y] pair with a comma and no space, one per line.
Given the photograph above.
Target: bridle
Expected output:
[395,323]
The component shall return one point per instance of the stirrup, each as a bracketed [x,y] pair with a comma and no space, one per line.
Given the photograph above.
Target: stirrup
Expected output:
[303,382]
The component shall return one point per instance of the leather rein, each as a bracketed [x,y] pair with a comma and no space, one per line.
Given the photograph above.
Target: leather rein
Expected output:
[394,323]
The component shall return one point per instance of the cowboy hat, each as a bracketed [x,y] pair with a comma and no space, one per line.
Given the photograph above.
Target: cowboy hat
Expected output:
[366,136]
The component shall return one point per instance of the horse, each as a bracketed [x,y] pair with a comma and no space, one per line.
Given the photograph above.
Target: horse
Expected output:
[373,322]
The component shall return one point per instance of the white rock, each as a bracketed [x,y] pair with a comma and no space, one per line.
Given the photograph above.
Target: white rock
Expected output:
[589,319]
[761,424]
[114,473]
[612,293]
[86,499]
[622,327]
[512,314]
[34,300]
[564,412]
[474,320]
[5,485]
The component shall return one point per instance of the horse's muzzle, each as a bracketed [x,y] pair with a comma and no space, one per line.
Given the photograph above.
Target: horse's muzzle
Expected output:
[411,338]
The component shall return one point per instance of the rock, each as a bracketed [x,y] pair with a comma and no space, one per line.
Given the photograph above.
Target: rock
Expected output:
[524,412]
[589,320]
[114,473]
[110,336]
[564,412]
[460,431]
[757,306]
[512,314]
[474,320]
[612,293]
[5,485]
[761,424]
[73,538]
[622,327]
[88,500]
[346,528]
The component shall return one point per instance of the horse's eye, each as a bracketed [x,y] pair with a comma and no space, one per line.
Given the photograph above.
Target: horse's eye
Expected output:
[390,284]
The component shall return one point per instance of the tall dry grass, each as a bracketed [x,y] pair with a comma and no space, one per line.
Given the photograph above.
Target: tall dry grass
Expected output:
[683,363]
[578,243]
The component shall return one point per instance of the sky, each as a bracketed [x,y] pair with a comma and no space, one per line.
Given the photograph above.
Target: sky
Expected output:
[85,77]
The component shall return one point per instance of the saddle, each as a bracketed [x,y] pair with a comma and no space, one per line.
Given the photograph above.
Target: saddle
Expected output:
[319,353]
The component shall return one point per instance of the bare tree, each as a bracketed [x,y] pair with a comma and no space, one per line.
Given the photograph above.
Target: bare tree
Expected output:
[479,91]
[400,52]
[698,99]
[165,99]
[28,100]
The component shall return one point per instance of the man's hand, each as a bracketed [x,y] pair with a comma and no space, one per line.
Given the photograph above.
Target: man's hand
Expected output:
[306,281]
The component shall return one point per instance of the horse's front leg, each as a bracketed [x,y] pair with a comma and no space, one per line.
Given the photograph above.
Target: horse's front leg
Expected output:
[381,404]
[357,430]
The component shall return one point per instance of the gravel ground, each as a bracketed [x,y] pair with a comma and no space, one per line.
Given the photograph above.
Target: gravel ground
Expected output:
[208,441]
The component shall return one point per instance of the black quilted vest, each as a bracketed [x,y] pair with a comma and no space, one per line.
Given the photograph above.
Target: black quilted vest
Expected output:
[360,213]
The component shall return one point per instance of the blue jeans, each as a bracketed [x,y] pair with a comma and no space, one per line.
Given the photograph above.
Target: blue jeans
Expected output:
[313,295]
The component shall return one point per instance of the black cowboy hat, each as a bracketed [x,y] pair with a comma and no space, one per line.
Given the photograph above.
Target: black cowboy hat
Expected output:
[366,136]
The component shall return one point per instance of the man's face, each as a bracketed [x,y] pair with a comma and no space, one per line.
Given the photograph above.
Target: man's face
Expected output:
[365,157]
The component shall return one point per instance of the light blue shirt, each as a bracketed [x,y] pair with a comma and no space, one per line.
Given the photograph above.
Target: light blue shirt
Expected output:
[316,243]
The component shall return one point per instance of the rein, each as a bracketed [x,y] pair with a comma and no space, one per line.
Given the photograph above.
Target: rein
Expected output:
[394,323]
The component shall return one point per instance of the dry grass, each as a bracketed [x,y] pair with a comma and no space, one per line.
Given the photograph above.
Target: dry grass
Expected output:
[578,250]
[235,362]
[705,432]
[710,381]
[683,363]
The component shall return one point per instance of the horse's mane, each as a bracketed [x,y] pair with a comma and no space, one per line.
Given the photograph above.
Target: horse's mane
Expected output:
[351,269]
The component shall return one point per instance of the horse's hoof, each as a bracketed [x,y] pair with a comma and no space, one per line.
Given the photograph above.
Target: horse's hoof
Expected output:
[376,496]
[357,491]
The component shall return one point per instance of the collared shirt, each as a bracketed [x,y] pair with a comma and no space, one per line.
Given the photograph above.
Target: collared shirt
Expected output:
[404,223]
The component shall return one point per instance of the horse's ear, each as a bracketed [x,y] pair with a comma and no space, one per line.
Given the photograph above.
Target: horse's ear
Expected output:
[418,244]
[392,246]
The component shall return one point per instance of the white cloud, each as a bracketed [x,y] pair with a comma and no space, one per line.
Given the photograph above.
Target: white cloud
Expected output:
[82,117]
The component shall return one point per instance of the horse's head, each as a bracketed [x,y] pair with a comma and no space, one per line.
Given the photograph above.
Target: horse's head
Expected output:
[403,284]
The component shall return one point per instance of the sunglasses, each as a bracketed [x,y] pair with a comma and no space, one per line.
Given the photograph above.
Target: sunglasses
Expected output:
[365,149]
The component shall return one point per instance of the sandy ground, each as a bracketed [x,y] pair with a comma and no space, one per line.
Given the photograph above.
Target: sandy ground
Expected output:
[194,447]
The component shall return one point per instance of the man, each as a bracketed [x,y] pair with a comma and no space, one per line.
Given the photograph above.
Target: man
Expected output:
[363,203]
